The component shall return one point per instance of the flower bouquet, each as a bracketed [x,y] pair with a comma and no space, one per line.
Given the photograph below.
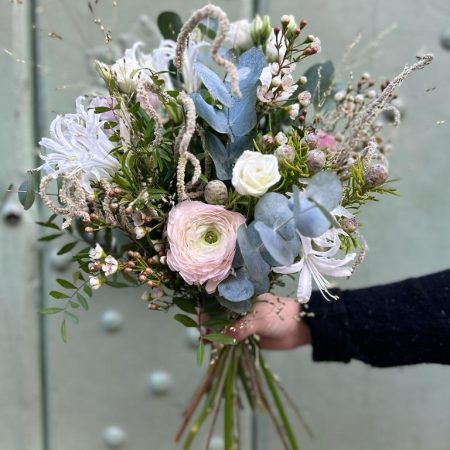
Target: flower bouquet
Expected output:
[206,170]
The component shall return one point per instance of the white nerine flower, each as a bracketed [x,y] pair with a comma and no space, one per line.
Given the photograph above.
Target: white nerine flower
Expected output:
[96,252]
[239,35]
[254,173]
[314,264]
[110,265]
[94,282]
[78,144]
[192,53]
[126,69]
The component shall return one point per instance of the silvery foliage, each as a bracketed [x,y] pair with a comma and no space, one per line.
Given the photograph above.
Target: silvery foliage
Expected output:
[272,239]
[237,116]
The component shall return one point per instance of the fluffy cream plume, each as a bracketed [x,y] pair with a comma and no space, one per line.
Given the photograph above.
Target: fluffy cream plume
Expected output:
[223,28]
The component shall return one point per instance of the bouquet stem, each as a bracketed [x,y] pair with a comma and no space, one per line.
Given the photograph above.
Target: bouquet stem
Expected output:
[233,370]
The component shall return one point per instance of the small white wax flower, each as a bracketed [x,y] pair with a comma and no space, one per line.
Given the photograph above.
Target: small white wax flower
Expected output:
[254,173]
[96,252]
[271,48]
[304,98]
[110,265]
[316,45]
[94,282]
[293,110]
[140,232]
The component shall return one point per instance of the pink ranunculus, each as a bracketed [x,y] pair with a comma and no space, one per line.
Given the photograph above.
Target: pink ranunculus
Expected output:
[325,140]
[202,242]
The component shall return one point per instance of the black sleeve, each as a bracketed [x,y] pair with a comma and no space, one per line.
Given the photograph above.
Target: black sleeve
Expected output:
[395,324]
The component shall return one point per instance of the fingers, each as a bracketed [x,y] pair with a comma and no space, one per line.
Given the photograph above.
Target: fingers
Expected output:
[242,329]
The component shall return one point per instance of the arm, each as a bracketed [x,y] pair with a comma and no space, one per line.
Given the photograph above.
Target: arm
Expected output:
[396,324]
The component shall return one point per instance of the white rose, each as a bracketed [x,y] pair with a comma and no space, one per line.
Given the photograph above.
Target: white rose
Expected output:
[254,173]
[239,35]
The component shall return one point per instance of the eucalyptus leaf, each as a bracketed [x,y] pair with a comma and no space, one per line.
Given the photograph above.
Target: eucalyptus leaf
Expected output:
[223,156]
[237,288]
[311,222]
[273,210]
[216,118]
[169,23]
[317,84]
[325,188]
[257,269]
[278,248]
[237,307]
[214,84]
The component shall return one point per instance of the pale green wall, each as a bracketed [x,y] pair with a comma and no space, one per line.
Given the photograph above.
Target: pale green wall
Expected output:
[99,379]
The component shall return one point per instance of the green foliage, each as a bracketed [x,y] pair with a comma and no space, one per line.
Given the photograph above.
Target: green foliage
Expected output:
[169,23]
[185,320]
[357,192]
[200,353]
[220,338]
[292,172]
[27,190]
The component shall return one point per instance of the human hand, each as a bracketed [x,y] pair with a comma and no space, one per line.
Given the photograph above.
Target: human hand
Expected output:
[276,320]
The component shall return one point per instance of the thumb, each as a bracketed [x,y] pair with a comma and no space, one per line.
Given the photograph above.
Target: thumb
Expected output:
[242,329]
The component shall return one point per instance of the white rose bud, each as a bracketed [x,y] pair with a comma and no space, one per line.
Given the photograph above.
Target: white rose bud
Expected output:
[239,35]
[216,192]
[254,173]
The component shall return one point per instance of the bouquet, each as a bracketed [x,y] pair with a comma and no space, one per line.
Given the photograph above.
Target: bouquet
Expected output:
[207,170]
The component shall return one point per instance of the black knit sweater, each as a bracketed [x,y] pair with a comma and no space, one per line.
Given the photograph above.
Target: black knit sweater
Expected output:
[395,324]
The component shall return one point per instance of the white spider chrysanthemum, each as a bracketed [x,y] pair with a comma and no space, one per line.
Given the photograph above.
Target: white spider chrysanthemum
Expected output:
[78,145]
[316,261]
